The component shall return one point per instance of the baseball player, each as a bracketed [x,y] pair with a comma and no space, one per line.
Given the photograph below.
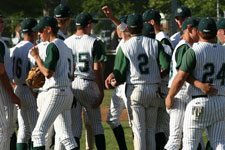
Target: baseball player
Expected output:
[221,30]
[162,130]
[87,86]
[19,54]
[132,65]
[55,100]
[118,100]
[62,14]
[181,14]
[176,113]
[152,16]
[7,96]
[205,62]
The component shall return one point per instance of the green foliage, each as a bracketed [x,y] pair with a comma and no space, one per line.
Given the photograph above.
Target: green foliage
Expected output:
[163,6]
[201,8]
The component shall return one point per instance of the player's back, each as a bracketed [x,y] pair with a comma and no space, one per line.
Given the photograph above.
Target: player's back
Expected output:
[142,53]
[21,65]
[82,48]
[210,66]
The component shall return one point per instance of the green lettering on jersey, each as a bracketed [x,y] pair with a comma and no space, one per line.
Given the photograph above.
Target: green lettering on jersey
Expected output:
[143,62]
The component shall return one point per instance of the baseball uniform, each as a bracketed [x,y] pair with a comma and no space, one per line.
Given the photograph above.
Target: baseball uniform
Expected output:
[205,61]
[181,99]
[55,100]
[7,108]
[28,112]
[175,38]
[132,65]
[87,50]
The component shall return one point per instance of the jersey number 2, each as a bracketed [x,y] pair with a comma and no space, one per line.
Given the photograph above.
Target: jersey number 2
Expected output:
[143,62]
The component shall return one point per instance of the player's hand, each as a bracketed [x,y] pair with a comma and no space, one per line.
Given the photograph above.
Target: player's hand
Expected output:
[114,83]
[15,100]
[109,80]
[107,11]
[208,89]
[169,102]
[34,51]
[99,101]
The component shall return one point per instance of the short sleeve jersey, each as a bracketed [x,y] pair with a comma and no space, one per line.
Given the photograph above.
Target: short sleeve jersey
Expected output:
[175,39]
[5,58]
[206,62]
[58,59]
[87,50]
[137,60]
[164,39]
[21,63]
[175,64]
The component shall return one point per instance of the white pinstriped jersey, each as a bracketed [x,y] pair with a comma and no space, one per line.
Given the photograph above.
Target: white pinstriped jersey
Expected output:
[143,67]
[210,66]
[162,35]
[62,77]
[7,61]
[83,54]
[175,39]
[173,69]
[21,65]
[42,53]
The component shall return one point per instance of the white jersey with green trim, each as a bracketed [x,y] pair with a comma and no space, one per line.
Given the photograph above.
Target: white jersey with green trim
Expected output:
[173,69]
[21,65]
[210,66]
[42,53]
[175,39]
[82,47]
[142,53]
[7,60]
[62,77]
[162,35]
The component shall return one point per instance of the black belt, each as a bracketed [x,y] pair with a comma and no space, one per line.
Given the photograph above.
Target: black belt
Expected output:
[197,96]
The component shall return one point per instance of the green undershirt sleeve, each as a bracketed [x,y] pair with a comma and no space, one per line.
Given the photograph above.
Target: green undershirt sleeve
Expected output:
[52,57]
[163,58]
[120,66]
[189,61]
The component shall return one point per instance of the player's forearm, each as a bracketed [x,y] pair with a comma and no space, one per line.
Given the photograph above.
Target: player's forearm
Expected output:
[46,72]
[194,82]
[98,71]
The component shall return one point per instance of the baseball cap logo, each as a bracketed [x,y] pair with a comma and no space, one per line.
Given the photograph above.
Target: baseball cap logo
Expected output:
[206,30]
[179,10]
[58,15]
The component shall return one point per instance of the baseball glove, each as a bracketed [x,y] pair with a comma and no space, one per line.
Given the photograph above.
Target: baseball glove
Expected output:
[35,78]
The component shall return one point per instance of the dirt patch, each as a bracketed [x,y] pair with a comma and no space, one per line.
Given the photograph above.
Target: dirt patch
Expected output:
[105,110]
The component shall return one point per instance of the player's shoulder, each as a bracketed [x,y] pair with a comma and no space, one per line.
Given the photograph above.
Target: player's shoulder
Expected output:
[175,36]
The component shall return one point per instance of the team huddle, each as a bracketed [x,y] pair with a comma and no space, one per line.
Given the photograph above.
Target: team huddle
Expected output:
[173,88]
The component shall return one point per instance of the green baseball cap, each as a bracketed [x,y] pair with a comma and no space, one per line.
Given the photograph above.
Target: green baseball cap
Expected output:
[84,18]
[183,12]
[207,25]
[148,30]
[46,21]
[27,24]
[62,11]
[151,14]
[220,24]
[192,21]
[134,21]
